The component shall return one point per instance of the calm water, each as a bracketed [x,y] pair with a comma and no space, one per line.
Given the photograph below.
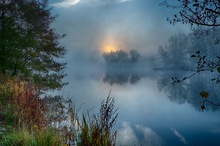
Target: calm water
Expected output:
[152,111]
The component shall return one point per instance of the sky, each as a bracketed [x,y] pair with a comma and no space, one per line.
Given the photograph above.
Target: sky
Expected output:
[93,27]
[96,26]
[121,24]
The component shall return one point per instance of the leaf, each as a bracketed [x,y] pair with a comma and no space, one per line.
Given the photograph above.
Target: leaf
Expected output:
[218,69]
[204,94]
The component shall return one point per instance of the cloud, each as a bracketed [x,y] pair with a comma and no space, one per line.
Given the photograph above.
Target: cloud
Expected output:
[122,1]
[137,135]
[150,136]
[126,135]
[66,3]
[177,133]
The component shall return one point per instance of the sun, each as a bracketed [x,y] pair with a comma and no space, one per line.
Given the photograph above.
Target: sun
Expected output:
[110,48]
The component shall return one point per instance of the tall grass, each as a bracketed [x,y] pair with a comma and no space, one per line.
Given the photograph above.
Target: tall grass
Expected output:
[52,121]
[25,137]
[96,129]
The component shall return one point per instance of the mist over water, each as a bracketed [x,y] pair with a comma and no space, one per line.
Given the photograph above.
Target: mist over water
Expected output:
[152,111]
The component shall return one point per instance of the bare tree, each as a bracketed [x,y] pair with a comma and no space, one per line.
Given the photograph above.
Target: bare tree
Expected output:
[195,12]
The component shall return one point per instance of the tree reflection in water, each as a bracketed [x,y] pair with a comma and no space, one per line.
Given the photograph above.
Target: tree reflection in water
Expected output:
[172,60]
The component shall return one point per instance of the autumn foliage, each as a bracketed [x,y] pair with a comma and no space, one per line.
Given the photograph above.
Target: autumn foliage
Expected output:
[23,103]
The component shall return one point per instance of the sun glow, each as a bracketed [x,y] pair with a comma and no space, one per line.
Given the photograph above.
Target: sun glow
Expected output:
[110,44]
[109,48]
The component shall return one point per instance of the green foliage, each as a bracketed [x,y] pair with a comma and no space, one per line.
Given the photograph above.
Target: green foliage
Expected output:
[24,137]
[29,47]
[9,116]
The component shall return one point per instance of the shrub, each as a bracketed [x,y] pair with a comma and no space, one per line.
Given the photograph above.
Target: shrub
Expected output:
[22,101]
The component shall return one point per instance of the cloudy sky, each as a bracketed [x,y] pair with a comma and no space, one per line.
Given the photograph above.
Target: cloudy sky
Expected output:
[96,26]
[122,24]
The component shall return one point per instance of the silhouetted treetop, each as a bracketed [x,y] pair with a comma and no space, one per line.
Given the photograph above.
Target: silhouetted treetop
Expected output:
[195,12]
[122,56]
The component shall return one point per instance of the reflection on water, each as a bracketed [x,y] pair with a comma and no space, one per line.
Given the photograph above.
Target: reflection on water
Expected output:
[117,74]
[184,92]
[152,118]
[152,111]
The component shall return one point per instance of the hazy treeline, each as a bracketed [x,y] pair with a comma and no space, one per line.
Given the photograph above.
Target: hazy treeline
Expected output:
[179,48]
[123,67]
[176,61]
[173,59]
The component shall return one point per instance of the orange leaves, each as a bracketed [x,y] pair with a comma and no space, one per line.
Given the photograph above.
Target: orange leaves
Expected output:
[24,96]
[204,94]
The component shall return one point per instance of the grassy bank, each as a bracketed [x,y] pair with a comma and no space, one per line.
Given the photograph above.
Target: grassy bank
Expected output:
[28,120]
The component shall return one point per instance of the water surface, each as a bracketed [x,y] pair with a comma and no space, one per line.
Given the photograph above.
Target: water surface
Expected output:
[152,111]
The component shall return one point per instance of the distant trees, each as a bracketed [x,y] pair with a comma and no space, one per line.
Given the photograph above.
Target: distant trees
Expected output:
[175,58]
[179,48]
[199,13]
[29,47]
[174,53]
[122,56]
[122,67]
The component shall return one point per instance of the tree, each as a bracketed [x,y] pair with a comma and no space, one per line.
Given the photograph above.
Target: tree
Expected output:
[134,56]
[199,13]
[120,56]
[174,53]
[196,12]
[122,67]
[29,47]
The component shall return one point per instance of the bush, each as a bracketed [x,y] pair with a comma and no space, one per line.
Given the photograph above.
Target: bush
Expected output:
[21,101]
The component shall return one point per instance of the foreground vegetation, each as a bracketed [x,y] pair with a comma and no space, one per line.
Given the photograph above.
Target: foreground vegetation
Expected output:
[29,120]
[29,66]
